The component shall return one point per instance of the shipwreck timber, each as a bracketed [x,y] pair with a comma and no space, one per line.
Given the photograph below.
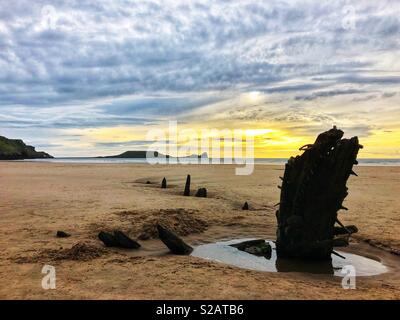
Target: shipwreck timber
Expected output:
[312,192]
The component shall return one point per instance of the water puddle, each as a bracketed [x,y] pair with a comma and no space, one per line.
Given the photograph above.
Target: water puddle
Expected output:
[224,253]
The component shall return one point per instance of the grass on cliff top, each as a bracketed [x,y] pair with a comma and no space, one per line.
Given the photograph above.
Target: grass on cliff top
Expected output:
[8,146]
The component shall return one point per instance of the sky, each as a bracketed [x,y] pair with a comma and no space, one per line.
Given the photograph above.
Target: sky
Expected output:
[89,78]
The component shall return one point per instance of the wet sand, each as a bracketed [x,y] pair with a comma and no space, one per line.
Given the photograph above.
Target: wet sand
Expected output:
[37,199]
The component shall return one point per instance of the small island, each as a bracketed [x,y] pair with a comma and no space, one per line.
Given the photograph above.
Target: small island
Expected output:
[16,149]
[138,154]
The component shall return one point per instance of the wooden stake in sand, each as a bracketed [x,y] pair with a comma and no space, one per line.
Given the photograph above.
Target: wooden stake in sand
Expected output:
[187,186]
[118,239]
[201,193]
[164,184]
[62,234]
[312,192]
[173,242]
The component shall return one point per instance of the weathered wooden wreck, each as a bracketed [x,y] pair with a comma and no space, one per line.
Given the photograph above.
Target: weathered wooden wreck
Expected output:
[312,192]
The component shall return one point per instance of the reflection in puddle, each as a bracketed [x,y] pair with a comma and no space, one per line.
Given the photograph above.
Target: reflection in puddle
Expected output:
[222,252]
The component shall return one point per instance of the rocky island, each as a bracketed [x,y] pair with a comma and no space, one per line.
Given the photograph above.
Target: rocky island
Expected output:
[153,154]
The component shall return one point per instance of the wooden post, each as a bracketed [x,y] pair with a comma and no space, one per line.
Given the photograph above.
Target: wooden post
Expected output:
[187,186]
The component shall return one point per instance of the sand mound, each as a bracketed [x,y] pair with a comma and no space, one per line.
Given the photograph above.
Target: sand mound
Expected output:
[78,252]
[180,221]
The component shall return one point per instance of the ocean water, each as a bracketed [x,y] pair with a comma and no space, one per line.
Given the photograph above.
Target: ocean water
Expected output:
[265,161]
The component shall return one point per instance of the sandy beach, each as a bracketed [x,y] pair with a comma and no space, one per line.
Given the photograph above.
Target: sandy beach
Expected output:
[37,199]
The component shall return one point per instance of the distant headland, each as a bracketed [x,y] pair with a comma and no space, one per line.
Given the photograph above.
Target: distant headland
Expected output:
[152,154]
[16,149]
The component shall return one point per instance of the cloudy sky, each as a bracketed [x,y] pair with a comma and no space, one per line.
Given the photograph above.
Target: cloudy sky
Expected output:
[80,78]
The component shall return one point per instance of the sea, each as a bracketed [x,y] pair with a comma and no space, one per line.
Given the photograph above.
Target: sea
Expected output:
[261,161]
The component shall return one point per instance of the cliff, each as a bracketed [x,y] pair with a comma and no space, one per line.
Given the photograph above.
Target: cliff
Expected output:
[15,149]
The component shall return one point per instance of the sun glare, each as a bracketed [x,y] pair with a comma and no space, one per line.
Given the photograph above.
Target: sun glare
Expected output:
[254,96]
